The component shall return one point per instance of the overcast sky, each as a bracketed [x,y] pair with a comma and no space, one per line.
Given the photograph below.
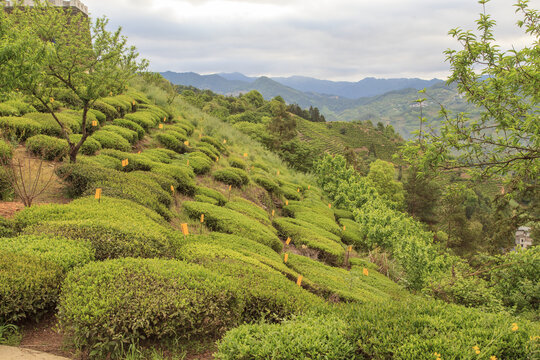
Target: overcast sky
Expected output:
[326,39]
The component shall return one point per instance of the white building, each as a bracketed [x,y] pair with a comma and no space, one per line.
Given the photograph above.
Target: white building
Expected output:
[523,237]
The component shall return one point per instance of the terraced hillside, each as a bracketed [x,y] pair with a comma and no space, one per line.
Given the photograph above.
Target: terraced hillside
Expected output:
[198,235]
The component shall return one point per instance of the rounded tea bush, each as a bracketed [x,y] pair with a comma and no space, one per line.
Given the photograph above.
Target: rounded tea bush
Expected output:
[231,176]
[111,140]
[47,147]
[105,305]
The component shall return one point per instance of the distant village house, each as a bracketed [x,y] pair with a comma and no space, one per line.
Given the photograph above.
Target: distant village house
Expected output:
[523,237]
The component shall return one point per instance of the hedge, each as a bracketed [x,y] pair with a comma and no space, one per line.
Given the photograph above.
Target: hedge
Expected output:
[178,135]
[31,270]
[109,305]
[215,143]
[208,149]
[201,165]
[353,234]
[157,111]
[47,147]
[343,214]
[319,220]
[49,126]
[268,184]
[231,176]
[108,110]
[100,160]
[248,208]
[302,233]
[100,117]
[232,222]
[182,175]
[187,126]
[6,151]
[290,192]
[126,133]
[214,194]
[311,338]
[111,140]
[89,147]
[144,119]
[128,124]
[121,105]
[205,199]
[114,227]
[7,110]
[15,108]
[19,128]
[135,161]
[171,142]
[237,163]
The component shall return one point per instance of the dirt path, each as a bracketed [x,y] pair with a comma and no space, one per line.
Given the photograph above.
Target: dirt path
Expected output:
[15,353]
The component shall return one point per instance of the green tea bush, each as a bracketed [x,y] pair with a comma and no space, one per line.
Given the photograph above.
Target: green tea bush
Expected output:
[177,128]
[100,117]
[237,163]
[49,126]
[159,155]
[100,160]
[208,149]
[106,109]
[231,176]
[126,133]
[8,110]
[6,228]
[215,143]
[261,166]
[67,97]
[122,106]
[128,124]
[182,175]
[144,119]
[18,106]
[157,111]
[187,126]
[19,128]
[267,183]
[232,222]
[290,192]
[312,338]
[111,140]
[319,220]
[90,145]
[160,299]
[178,135]
[201,165]
[248,208]
[353,234]
[138,96]
[6,151]
[171,142]
[135,161]
[114,227]
[206,199]
[302,233]
[29,285]
[343,214]
[47,147]
[214,194]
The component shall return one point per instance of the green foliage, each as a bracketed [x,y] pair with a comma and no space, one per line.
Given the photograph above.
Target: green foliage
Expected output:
[128,124]
[6,151]
[47,147]
[106,109]
[237,163]
[145,119]
[182,175]
[215,143]
[381,175]
[214,194]
[171,142]
[316,219]
[160,299]
[267,183]
[353,234]
[15,108]
[111,140]
[126,133]
[89,147]
[208,149]
[114,227]
[200,164]
[49,126]
[231,176]
[19,128]
[343,214]
[248,208]
[302,233]
[135,161]
[322,338]
[232,222]
[29,285]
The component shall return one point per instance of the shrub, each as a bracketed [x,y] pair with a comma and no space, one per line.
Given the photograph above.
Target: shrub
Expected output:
[135,161]
[6,151]
[126,133]
[145,119]
[214,194]
[114,227]
[109,111]
[183,176]
[28,286]
[111,140]
[267,183]
[201,165]
[90,145]
[100,160]
[232,222]
[290,192]
[128,124]
[353,234]
[302,233]
[49,126]
[164,156]
[319,220]
[248,208]
[343,214]
[15,108]
[187,126]
[321,338]
[159,299]
[122,106]
[215,143]
[157,111]
[100,117]
[206,199]
[19,128]
[231,176]
[171,142]
[8,110]
[176,128]
[208,149]
[6,228]
[47,147]
[237,163]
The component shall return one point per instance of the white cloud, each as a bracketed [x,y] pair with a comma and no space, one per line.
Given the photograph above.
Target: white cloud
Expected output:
[333,39]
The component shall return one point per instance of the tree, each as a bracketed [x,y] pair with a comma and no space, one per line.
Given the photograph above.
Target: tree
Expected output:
[505,139]
[381,175]
[45,48]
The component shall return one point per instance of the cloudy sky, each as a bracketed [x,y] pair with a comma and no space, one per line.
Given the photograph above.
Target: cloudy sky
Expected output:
[326,39]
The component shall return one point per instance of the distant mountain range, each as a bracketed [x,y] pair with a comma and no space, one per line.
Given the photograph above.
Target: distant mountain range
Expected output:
[391,101]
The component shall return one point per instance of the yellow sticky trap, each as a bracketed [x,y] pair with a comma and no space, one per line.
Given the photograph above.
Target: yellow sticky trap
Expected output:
[172,189]
[125,162]
[299,281]
[138,152]
[273,212]
[200,135]
[309,187]
[286,258]
[164,119]
[110,93]
[344,227]
[186,143]
[230,187]
[98,194]
[224,141]
[286,202]
[160,126]
[188,162]
[217,158]
[52,100]
[245,155]
[365,272]
[349,249]
[288,241]
[94,123]
[298,190]
[202,218]
[329,206]
[277,173]
[133,103]
[185,229]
